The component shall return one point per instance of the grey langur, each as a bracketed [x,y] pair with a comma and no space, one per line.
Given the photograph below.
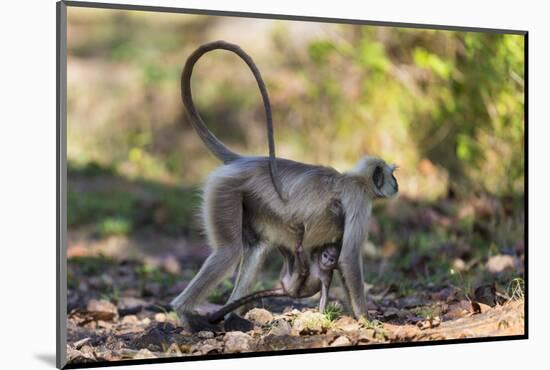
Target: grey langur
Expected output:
[245,215]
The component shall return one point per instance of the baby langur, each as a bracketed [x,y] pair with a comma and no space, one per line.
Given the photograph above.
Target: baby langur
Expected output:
[295,281]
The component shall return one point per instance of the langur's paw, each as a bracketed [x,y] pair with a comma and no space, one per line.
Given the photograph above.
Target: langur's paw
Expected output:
[195,322]
[236,323]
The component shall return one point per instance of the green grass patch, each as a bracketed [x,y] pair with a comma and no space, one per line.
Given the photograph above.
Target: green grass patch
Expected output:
[333,311]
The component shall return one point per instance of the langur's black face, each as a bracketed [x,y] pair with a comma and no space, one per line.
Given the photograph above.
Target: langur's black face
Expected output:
[384,180]
[379,176]
[329,258]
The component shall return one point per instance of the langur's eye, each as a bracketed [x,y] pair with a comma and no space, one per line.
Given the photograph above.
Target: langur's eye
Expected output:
[378,177]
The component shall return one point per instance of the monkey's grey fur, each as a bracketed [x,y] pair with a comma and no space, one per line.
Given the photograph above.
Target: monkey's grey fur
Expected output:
[318,277]
[245,216]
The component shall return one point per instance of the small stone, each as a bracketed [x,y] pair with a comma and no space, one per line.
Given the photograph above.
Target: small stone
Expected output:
[293,311]
[130,320]
[211,341]
[146,321]
[280,327]
[86,349]
[104,354]
[346,323]
[237,341]
[130,329]
[341,341]
[499,263]
[74,355]
[459,264]
[309,322]
[102,310]
[259,316]
[205,334]
[160,317]
[365,336]
[143,354]
[104,324]
[207,348]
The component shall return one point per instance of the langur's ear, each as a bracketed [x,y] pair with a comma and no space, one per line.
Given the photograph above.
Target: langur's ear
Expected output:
[378,177]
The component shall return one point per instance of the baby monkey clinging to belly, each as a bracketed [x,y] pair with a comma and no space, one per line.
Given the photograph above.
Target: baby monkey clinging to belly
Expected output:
[302,276]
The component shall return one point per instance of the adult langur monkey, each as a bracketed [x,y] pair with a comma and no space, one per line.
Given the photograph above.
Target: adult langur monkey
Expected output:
[245,215]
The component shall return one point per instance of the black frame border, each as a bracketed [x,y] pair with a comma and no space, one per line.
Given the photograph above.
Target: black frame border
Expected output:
[61,175]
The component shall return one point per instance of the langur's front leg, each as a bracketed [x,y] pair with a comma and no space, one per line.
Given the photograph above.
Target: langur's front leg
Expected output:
[350,263]
[351,273]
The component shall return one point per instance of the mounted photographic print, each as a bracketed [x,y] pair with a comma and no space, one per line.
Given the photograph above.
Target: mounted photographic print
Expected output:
[234,184]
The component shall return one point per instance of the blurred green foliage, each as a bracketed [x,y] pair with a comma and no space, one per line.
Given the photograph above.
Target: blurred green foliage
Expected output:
[447,106]
[84,207]
[452,98]
[117,206]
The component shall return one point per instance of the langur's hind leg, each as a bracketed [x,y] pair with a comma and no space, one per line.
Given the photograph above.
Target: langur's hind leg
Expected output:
[251,262]
[212,272]
[223,218]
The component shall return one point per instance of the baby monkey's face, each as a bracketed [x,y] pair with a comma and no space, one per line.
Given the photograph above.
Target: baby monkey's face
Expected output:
[329,258]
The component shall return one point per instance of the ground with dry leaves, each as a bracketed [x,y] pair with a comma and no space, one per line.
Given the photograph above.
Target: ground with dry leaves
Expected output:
[447,269]
[101,333]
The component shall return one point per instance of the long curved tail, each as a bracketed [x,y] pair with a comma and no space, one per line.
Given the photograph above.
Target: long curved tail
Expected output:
[218,316]
[213,143]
